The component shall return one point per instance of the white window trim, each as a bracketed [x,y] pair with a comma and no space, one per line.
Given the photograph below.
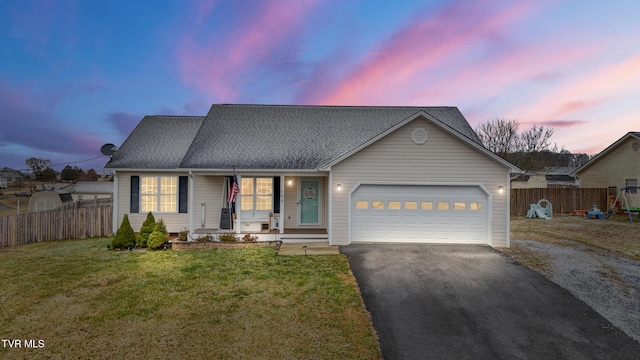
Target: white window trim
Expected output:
[254,196]
[160,194]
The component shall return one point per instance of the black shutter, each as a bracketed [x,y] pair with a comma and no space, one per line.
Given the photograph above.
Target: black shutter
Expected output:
[135,195]
[183,194]
[276,195]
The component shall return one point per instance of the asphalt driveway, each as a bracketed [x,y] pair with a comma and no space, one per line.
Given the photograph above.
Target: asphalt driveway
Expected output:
[473,302]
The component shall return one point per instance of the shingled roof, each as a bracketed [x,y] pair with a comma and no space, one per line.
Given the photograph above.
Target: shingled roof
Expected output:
[268,136]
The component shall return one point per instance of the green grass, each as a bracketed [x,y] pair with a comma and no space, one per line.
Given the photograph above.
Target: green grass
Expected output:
[85,301]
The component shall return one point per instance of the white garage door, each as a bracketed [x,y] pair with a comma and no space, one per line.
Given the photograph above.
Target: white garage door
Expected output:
[419,213]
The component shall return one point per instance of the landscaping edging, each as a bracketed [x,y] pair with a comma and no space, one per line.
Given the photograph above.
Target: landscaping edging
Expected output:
[194,245]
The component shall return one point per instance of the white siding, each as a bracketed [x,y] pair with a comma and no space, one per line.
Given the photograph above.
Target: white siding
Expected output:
[613,169]
[208,189]
[443,158]
[174,221]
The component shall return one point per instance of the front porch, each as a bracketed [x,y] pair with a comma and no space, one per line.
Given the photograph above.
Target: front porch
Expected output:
[289,235]
[273,207]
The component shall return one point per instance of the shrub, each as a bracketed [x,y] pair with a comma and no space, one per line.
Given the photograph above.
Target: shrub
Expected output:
[124,236]
[183,235]
[206,238]
[158,237]
[249,238]
[228,237]
[147,228]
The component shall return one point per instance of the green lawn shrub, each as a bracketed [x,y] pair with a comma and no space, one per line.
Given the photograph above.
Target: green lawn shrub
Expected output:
[124,236]
[158,237]
[145,230]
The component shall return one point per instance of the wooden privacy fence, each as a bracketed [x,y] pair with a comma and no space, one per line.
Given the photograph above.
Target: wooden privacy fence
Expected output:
[563,200]
[77,220]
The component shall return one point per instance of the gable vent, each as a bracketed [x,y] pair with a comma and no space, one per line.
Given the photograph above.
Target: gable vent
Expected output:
[635,146]
[419,136]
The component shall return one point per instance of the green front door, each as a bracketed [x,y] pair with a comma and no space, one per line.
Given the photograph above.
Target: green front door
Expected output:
[309,202]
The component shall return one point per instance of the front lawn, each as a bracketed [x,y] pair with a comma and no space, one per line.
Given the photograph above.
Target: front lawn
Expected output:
[84,301]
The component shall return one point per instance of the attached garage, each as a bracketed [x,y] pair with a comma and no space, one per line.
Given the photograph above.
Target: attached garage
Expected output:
[440,213]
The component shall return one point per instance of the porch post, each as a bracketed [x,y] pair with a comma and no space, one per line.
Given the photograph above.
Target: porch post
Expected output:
[330,208]
[281,219]
[114,203]
[192,201]
[238,225]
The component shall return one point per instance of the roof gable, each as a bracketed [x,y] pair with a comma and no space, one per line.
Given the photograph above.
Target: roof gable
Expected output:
[273,136]
[603,154]
[297,137]
[158,142]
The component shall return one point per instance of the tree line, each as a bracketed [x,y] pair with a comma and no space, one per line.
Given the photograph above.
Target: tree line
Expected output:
[42,171]
[529,150]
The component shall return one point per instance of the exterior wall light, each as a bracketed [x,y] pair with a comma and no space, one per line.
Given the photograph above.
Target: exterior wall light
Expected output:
[339,187]
[500,189]
[289,182]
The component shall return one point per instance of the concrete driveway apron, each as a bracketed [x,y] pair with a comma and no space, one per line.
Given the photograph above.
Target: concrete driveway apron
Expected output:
[473,302]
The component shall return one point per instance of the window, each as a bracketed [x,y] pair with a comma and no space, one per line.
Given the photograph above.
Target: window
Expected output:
[158,194]
[362,204]
[632,182]
[475,206]
[443,205]
[426,205]
[256,193]
[377,204]
[459,205]
[410,205]
[394,205]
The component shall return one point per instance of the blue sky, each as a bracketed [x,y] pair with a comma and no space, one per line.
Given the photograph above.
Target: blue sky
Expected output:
[77,74]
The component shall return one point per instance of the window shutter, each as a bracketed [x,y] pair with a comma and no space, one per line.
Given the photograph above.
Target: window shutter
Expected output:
[135,195]
[276,194]
[183,194]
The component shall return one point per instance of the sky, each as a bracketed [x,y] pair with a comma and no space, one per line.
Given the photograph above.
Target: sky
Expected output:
[75,75]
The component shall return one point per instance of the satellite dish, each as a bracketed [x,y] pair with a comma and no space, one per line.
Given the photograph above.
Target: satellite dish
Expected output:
[108,149]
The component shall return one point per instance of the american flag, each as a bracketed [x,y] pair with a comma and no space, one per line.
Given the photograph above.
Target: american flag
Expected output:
[233,190]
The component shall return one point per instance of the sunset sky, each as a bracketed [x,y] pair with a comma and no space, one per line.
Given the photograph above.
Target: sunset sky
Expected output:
[75,75]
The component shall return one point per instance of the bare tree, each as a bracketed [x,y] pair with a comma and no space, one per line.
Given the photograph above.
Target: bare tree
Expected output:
[499,135]
[535,139]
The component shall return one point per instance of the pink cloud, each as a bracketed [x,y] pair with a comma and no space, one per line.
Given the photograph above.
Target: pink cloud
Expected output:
[588,92]
[217,66]
[560,123]
[420,48]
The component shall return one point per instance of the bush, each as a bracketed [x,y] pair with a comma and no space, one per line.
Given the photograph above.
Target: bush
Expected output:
[249,238]
[183,235]
[228,237]
[158,237]
[147,228]
[124,236]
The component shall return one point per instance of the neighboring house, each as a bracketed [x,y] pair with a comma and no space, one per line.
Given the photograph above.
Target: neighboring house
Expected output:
[549,177]
[48,200]
[615,167]
[8,175]
[86,190]
[345,174]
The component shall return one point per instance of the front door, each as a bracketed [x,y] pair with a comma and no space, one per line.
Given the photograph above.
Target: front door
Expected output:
[309,202]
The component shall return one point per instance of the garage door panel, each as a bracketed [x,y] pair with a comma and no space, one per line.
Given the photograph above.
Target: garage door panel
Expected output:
[419,213]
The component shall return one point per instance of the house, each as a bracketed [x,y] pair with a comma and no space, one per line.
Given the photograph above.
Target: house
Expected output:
[339,173]
[48,200]
[616,167]
[85,190]
[8,175]
[549,177]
